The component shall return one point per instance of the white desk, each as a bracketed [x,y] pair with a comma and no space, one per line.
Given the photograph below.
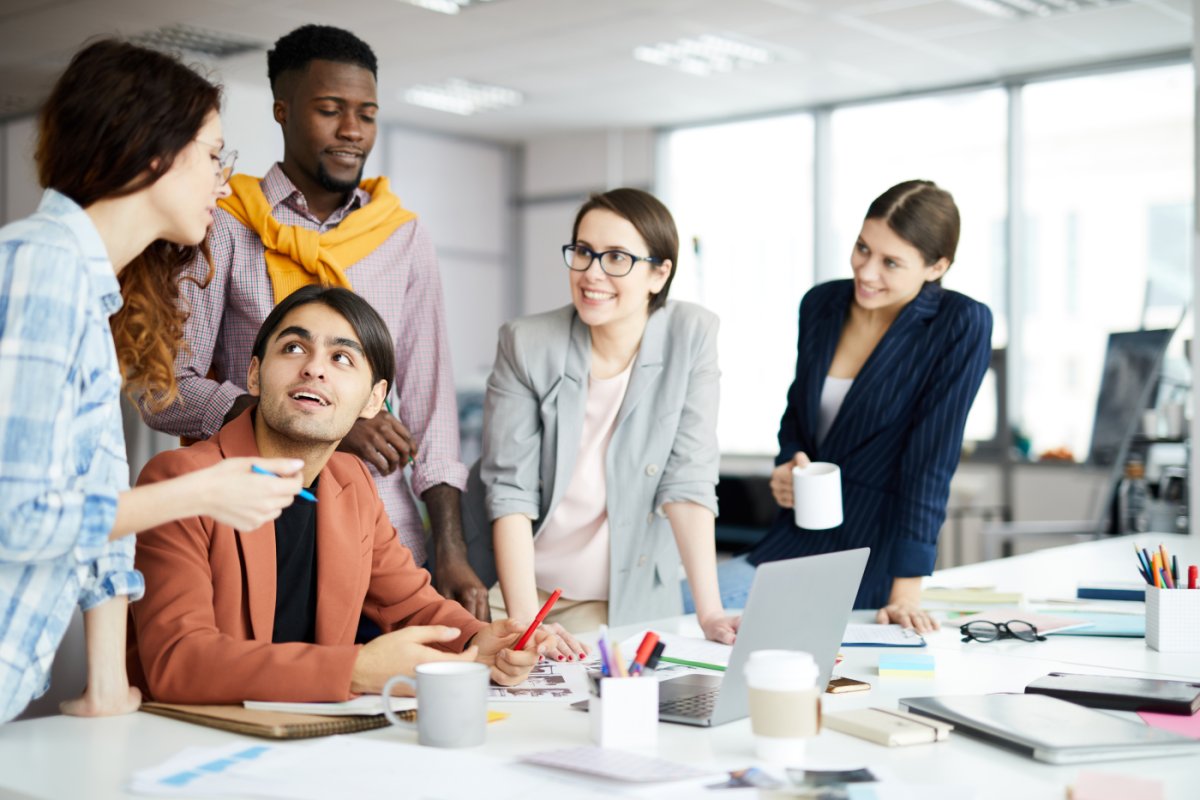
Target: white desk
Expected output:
[62,757]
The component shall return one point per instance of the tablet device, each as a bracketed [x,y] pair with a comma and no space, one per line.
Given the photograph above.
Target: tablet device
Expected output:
[1122,693]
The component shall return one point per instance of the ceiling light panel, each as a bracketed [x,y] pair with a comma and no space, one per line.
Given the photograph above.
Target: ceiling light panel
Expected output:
[704,55]
[446,6]
[457,96]
[1024,9]
[190,39]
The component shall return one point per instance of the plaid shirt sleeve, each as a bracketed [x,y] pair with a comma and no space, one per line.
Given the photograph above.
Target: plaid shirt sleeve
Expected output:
[424,375]
[203,403]
[46,510]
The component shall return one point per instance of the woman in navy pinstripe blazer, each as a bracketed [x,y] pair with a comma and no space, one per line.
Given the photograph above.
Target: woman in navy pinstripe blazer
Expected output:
[888,365]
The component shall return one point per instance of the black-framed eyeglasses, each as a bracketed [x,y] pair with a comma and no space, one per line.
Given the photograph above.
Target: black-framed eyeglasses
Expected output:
[225,161]
[985,631]
[615,263]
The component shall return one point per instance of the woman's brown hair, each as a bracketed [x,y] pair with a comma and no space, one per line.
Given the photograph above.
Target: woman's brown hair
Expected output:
[112,126]
[652,221]
[922,214]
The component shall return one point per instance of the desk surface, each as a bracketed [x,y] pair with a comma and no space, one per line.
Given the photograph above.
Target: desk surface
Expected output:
[63,757]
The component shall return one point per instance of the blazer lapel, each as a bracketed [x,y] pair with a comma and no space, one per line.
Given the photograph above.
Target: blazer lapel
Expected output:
[879,366]
[258,556]
[570,407]
[828,329]
[339,559]
[236,440]
[648,364]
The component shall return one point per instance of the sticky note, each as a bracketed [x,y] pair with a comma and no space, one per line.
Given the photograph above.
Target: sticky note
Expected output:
[905,665]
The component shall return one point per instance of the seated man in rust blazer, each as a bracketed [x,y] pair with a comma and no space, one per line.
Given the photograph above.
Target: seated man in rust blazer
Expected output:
[271,613]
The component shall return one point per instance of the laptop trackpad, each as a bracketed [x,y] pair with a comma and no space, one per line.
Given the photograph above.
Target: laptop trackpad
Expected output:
[686,686]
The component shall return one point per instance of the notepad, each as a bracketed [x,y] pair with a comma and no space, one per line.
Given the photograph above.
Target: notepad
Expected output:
[857,635]
[366,705]
[970,595]
[1114,786]
[1103,624]
[897,665]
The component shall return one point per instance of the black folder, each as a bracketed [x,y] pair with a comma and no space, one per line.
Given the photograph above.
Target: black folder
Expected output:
[1123,694]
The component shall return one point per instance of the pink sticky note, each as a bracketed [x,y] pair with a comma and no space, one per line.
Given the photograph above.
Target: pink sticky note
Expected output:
[1112,786]
[1176,723]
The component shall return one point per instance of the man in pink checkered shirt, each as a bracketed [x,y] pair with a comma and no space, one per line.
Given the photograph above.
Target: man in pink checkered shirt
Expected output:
[323,80]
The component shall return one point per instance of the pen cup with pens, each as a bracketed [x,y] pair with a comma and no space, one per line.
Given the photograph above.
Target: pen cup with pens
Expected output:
[623,707]
[1172,603]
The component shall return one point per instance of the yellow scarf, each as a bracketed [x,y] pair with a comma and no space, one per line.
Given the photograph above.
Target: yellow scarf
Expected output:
[298,256]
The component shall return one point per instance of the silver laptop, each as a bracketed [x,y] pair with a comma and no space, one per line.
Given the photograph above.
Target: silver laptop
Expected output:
[1051,730]
[797,604]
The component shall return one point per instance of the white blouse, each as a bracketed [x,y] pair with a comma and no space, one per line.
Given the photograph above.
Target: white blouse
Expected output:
[833,394]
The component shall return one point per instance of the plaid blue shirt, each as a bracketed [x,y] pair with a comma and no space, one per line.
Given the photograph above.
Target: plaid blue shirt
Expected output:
[62,445]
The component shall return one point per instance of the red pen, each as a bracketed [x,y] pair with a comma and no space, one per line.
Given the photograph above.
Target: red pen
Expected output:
[649,641]
[541,615]
[1192,576]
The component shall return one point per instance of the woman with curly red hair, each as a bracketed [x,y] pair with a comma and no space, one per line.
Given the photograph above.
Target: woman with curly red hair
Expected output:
[130,153]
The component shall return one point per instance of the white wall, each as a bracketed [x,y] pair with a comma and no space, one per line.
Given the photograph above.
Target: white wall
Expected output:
[463,190]
[21,192]
[557,175]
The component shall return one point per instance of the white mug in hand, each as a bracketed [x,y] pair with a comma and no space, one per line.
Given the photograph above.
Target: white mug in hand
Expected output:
[817,495]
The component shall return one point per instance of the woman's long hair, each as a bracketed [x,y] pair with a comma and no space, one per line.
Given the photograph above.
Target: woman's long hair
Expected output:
[113,125]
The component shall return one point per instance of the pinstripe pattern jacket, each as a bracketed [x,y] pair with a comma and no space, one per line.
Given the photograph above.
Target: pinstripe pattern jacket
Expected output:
[897,435]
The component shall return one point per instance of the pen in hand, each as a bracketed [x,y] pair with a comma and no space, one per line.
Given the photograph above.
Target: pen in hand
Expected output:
[305,493]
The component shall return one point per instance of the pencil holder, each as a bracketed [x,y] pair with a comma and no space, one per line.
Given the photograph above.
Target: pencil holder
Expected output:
[1173,620]
[624,712]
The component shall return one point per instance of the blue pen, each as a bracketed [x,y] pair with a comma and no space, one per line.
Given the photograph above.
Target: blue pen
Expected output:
[305,493]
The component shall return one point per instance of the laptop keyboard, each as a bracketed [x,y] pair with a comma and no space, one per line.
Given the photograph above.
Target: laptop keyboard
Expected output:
[698,706]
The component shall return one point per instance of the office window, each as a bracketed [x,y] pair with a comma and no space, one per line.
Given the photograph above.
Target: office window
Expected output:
[1106,227]
[741,194]
[959,141]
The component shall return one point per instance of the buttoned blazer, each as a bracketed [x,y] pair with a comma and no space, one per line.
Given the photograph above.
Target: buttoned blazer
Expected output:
[663,448]
[202,633]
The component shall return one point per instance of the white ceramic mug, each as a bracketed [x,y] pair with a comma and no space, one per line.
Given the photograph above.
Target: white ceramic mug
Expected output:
[785,704]
[451,703]
[817,496]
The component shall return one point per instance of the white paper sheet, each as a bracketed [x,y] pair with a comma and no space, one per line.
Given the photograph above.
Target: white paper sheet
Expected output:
[368,705]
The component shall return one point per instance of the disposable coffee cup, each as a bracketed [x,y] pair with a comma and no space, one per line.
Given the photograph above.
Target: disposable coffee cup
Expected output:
[785,704]
[451,703]
[817,496]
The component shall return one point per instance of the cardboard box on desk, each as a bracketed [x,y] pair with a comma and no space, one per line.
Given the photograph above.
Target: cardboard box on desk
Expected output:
[1173,620]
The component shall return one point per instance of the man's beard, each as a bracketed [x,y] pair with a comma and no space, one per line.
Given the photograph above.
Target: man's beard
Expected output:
[331,184]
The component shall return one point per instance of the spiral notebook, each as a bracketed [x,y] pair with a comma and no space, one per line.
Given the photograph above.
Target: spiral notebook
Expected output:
[269,724]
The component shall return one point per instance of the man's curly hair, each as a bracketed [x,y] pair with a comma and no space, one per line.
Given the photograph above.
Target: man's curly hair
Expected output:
[318,42]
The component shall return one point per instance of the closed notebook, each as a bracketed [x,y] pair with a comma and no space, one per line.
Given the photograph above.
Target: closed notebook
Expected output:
[269,724]
[887,727]
[1120,692]
[1051,730]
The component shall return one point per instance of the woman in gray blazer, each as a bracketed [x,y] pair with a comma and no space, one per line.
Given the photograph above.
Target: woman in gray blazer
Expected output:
[599,437]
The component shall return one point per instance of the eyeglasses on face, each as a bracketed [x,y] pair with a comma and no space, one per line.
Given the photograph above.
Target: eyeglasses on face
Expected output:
[225,161]
[615,263]
[985,631]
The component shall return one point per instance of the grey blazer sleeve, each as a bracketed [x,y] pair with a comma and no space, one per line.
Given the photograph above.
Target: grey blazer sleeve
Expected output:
[512,435]
[693,468]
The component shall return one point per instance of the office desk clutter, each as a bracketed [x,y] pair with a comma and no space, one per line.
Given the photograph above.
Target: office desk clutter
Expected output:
[1172,616]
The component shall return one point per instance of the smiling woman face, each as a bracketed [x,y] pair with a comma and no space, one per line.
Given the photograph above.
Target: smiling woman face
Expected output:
[602,299]
[888,270]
